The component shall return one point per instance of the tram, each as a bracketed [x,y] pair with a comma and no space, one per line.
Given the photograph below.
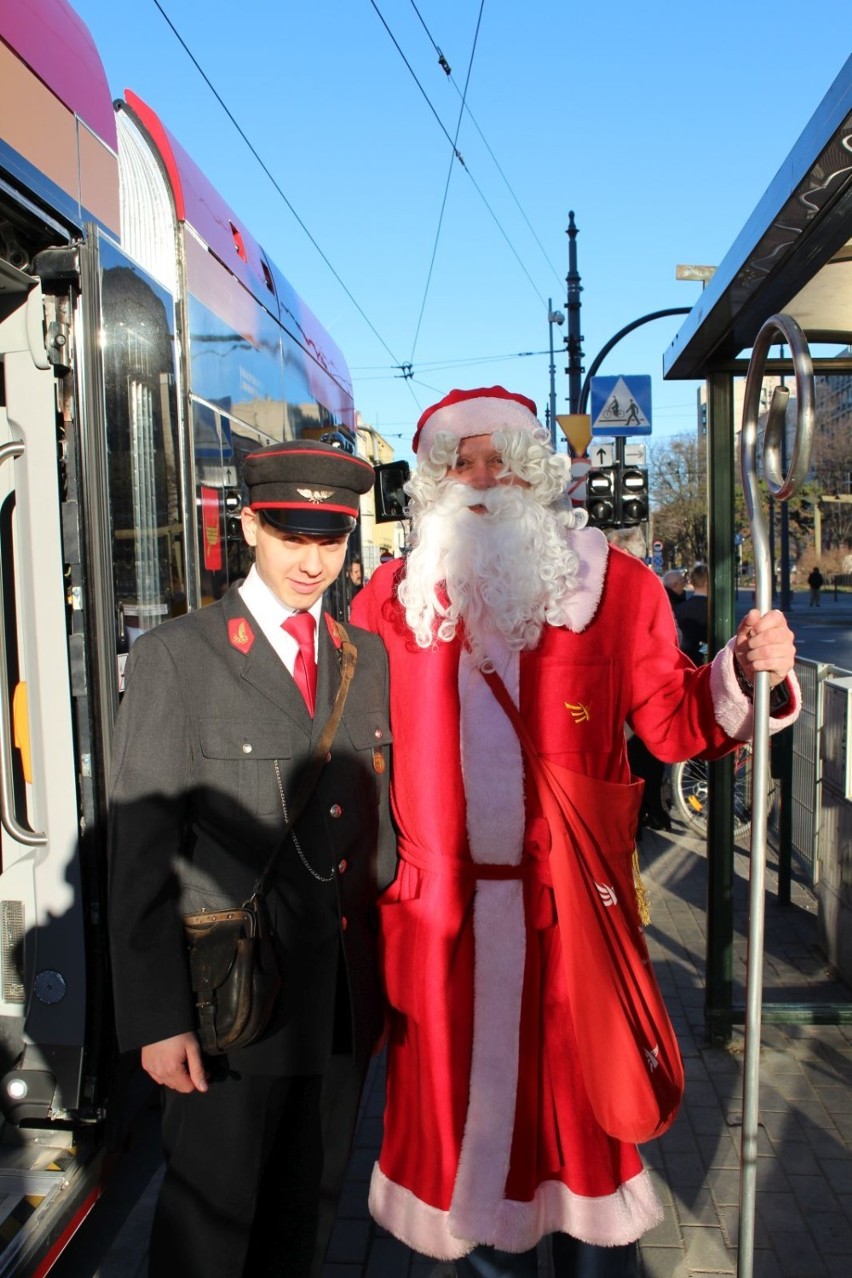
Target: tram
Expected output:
[147,343]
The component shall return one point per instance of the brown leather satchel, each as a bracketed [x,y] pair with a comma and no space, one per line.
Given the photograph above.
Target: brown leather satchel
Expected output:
[232,961]
[234,973]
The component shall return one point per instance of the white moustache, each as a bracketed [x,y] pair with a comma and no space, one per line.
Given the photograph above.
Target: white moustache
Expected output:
[497,502]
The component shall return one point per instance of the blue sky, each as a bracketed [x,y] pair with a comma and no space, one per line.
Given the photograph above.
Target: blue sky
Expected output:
[660,125]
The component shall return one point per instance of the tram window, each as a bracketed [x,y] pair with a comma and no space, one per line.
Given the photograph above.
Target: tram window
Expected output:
[221,444]
[239,554]
[149,562]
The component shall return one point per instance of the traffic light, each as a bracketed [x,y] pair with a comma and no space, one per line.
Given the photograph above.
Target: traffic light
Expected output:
[632,496]
[390,499]
[601,495]
[233,507]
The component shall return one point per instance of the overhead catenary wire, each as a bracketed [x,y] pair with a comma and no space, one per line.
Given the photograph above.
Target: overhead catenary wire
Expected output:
[217,95]
[448,72]
[457,155]
[438,366]
[447,185]
[398,365]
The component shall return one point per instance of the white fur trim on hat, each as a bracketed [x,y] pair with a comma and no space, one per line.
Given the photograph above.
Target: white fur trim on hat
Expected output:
[480,416]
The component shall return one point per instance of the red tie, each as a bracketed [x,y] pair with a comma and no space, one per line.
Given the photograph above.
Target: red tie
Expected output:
[301,627]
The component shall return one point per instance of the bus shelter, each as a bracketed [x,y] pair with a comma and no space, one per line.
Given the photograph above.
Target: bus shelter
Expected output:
[793,255]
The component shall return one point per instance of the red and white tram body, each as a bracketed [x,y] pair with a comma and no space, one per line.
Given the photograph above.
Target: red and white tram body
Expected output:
[146,344]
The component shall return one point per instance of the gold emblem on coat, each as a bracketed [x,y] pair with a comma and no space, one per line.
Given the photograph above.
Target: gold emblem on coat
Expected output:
[579,712]
[378,761]
[240,634]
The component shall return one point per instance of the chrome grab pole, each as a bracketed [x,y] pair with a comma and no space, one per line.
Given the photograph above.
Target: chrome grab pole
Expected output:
[782,487]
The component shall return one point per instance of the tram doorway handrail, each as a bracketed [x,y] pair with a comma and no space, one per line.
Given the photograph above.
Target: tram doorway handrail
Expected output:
[782,487]
[10,823]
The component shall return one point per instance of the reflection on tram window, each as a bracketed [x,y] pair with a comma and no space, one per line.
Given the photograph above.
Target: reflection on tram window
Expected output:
[142,447]
[241,371]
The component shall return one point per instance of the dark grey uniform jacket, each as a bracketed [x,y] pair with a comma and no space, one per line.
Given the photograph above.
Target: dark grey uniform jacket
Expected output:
[196,809]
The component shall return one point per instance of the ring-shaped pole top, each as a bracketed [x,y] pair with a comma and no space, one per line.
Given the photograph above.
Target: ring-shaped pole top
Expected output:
[781,486]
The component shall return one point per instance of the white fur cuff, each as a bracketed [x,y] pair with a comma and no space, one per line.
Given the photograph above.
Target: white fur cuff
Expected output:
[733,710]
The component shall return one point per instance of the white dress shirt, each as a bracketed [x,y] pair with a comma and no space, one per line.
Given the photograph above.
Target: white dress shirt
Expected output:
[270,614]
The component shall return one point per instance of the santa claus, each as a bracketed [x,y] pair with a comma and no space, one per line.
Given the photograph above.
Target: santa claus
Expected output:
[490,1140]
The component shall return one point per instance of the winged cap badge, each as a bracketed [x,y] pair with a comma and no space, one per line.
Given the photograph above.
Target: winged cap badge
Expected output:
[316,495]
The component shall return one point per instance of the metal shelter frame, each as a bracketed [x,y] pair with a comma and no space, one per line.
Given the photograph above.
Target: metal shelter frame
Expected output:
[794,255]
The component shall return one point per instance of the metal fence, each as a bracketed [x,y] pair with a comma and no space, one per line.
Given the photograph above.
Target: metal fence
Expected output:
[807,765]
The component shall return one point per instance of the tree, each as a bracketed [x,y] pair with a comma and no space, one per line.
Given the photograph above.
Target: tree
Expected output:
[832,466]
[678,473]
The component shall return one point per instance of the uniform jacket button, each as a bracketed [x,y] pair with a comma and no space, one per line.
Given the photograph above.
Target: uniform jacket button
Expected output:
[335,811]
[343,866]
[246,747]
[378,734]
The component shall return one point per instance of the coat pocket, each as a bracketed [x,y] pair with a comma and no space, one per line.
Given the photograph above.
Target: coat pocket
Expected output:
[238,761]
[399,953]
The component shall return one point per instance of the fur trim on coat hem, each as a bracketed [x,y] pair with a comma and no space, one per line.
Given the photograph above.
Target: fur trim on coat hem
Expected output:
[619,1218]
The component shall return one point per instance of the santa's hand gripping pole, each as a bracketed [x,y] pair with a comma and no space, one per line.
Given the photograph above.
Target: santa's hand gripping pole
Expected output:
[782,487]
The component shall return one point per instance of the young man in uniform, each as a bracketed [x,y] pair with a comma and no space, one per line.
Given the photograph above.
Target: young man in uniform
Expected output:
[222,712]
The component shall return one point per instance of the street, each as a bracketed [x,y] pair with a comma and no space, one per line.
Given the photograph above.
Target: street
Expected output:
[822,634]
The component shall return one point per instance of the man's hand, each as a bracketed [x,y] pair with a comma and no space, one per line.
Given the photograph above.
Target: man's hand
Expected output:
[765,643]
[176,1062]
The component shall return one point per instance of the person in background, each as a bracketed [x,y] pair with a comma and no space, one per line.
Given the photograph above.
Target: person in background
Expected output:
[675,586]
[815,583]
[643,763]
[356,577]
[630,539]
[490,1142]
[692,618]
[221,715]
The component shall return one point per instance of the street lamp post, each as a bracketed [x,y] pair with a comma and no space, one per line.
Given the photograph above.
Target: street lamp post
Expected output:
[553,317]
[573,304]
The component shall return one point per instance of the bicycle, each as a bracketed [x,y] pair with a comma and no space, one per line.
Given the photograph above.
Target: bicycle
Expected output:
[691,792]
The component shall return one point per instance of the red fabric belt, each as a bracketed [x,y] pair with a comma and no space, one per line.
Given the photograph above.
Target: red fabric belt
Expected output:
[470,871]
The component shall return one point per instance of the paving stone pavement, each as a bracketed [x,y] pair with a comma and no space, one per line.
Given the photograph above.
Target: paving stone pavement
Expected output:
[803,1226]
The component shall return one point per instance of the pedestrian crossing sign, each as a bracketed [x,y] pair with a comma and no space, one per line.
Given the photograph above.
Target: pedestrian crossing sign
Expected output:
[621,405]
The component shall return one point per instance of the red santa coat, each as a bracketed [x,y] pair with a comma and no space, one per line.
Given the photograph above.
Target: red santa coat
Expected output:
[489,1136]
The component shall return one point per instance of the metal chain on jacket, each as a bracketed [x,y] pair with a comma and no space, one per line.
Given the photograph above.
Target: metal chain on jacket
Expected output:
[318,760]
[320,878]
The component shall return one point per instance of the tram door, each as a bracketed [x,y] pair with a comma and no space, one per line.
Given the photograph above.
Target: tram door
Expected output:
[92,552]
[42,946]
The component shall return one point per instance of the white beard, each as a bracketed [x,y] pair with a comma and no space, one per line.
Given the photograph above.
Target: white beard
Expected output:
[509,569]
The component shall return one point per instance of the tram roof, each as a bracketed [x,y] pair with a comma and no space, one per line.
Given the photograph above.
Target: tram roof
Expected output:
[55,42]
[794,253]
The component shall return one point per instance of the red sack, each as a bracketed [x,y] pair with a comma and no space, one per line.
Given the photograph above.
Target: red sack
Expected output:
[629,1054]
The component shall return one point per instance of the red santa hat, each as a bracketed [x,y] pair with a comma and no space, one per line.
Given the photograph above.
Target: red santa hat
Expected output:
[476,412]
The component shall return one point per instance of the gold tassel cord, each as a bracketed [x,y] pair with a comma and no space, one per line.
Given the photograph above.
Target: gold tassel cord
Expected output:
[643,903]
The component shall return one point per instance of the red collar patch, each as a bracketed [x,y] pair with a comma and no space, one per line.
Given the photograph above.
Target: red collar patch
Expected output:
[240,634]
